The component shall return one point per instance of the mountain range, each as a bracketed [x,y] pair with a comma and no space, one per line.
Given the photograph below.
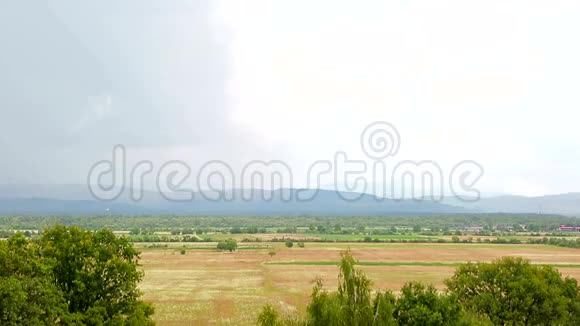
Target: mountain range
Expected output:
[77,200]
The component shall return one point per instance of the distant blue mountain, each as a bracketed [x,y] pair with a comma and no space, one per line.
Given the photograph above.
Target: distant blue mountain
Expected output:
[76,200]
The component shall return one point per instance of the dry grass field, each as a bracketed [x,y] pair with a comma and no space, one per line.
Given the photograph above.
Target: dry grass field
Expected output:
[207,287]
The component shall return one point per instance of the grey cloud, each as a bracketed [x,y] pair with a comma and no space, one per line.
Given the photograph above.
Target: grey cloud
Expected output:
[79,77]
[140,74]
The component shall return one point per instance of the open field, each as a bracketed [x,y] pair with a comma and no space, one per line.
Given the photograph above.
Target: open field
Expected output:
[205,286]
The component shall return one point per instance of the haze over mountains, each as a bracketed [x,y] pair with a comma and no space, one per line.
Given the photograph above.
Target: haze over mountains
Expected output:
[77,200]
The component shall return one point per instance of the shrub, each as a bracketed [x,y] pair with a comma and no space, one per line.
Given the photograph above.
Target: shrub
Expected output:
[511,291]
[229,245]
[269,316]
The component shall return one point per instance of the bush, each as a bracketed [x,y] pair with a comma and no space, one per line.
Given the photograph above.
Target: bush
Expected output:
[269,316]
[511,291]
[229,245]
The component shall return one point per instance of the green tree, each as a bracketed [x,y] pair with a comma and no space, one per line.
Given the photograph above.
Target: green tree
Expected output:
[252,229]
[31,301]
[96,271]
[27,296]
[511,291]
[289,243]
[70,276]
[20,256]
[229,245]
[423,305]
[352,304]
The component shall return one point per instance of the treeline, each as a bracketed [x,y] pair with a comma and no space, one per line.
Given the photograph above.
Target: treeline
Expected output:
[168,238]
[510,291]
[557,242]
[454,239]
[168,223]
[367,239]
[71,276]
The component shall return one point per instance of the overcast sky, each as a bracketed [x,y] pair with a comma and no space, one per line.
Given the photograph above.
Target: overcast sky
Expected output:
[497,82]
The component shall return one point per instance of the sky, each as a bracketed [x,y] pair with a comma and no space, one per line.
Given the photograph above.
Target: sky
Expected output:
[495,82]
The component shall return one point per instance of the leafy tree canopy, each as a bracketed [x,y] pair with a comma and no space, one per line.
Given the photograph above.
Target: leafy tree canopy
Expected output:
[511,291]
[71,276]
